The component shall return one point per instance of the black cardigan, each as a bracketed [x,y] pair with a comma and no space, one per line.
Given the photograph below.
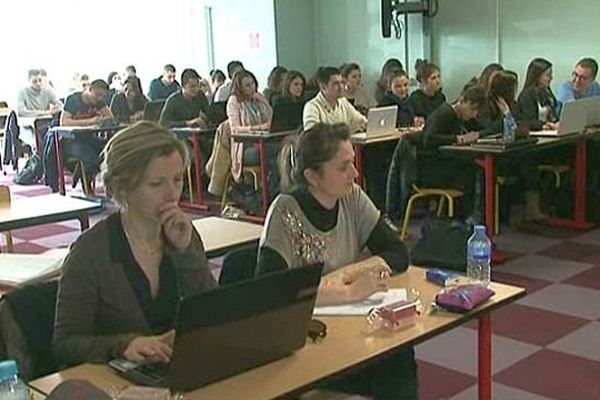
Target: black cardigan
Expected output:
[528,111]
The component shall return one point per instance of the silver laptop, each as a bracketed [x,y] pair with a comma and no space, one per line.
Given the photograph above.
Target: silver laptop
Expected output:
[592,108]
[381,122]
[573,119]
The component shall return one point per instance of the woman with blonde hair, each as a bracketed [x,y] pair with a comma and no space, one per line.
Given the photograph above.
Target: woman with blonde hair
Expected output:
[120,302]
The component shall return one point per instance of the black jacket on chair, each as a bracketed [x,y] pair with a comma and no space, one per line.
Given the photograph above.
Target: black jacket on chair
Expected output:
[402,174]
[11,140]
[27,325]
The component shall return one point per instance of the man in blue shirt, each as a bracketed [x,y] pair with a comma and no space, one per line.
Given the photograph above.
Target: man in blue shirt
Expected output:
[583,83]
[165,85]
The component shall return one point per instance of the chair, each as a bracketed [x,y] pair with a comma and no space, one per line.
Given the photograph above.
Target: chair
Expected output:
[152,110]
[26,328]
[500,181]
[239,265]
[443,194]
[5,202]
[556,170]
[79,170]
[253,171]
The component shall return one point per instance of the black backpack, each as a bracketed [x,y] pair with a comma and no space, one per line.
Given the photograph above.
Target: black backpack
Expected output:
[32,173]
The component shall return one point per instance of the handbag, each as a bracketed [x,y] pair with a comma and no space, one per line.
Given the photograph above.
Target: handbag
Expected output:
[463,298]
[443,244]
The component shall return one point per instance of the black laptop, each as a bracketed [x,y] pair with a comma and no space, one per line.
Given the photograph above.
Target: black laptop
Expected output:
[234,328]
[287,116]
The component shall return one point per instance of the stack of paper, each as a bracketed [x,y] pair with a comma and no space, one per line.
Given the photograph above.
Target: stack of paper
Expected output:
[19,269]
[378,299]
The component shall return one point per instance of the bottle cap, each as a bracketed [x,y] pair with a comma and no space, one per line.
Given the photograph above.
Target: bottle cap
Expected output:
[480,228]
[8,369]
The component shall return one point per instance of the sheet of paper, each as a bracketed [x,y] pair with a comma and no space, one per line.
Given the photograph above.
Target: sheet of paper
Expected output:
[378,299]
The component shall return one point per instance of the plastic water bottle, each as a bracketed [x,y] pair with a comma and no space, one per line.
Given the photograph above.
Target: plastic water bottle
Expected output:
[510,127]
[11,387]
[479,251]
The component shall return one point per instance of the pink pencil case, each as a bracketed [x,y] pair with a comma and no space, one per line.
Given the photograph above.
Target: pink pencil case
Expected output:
[463,298]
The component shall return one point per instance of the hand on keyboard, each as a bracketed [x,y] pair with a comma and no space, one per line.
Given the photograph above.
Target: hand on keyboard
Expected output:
[151,348]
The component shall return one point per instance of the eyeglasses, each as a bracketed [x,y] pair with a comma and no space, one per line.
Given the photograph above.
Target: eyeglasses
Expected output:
[580,77]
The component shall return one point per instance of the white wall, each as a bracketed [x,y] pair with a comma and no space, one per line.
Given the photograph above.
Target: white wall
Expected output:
[512,32]
[350,30]
[68,36]
[245,30]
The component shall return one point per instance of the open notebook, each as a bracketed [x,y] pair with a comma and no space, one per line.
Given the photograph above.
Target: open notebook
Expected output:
[19,269]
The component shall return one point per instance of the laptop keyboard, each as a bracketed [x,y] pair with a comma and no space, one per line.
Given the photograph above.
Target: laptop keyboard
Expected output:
[151,374]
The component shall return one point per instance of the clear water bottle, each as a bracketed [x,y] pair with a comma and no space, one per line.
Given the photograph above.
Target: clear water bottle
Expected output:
[479,252]
[11,387]
[510,127]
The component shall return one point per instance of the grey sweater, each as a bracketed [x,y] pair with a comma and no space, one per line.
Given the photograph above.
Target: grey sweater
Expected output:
[97,312]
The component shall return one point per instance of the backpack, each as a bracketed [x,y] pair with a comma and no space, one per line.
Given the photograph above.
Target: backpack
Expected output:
[32,173]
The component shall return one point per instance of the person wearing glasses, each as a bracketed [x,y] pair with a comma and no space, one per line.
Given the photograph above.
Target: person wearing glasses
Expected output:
[583,83]
[323,216]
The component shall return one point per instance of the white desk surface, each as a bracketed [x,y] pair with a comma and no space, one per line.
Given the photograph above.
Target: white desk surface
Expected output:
[220,233]
[40,206]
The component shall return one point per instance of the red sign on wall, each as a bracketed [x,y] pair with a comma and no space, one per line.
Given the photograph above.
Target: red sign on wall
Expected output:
[254,40]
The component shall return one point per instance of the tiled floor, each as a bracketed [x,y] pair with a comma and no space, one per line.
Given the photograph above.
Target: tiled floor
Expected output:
[546,346]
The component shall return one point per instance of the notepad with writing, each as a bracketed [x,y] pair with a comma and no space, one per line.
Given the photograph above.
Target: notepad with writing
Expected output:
[378,299]
[19,269]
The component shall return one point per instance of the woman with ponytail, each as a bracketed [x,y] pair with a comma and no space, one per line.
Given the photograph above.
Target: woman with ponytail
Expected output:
[323,216]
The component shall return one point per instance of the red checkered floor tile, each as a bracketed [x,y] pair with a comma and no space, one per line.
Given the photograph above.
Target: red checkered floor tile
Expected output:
[546,346]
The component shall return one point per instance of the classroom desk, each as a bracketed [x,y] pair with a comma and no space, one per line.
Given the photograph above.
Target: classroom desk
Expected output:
[38,210]
[71,132]
[38,124]
[35,395]
[21,269]
[489,155]
[262,137]
[219,235]
[360,141]
[195,134]
[345,348]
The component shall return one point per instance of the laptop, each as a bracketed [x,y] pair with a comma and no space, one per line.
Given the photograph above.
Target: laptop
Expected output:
[592,109]
[234,328]
[381,121]
[287,116]
[572,121]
